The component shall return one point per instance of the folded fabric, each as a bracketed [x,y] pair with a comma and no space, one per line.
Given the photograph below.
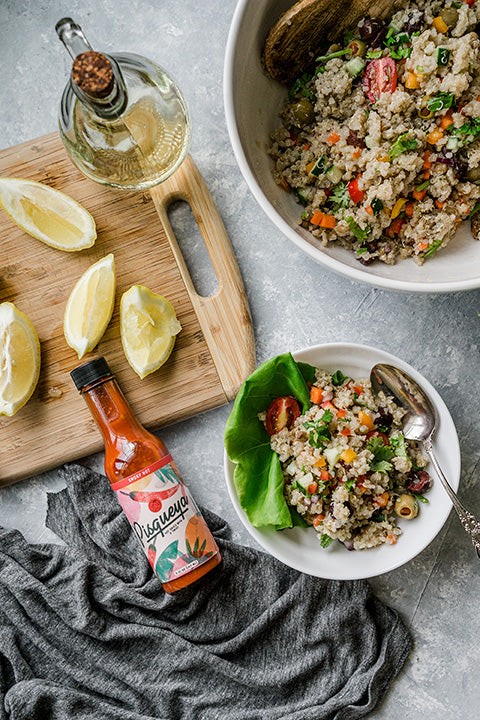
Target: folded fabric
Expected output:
[86,630]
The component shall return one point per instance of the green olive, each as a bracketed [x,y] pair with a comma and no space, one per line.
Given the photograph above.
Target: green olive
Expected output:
[473,174]
[358,48]
[424,111]
[303,112]
[449,16]
[406,507]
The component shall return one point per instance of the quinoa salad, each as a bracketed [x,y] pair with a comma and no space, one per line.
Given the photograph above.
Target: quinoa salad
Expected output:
[348,470]
[381,144]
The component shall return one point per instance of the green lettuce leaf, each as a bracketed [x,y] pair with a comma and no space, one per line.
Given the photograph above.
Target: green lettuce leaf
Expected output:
[258,474]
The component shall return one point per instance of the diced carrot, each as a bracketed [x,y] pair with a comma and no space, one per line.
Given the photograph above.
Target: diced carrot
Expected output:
[440,24]
[421,246]
[426,174]
[427,163]
[284,185]
[358,389]
[316,218]
[341,412]
[381,500]
[446,121]
[356,154]
[318,519]
[369,210]
[434,136]
[391,539]
[366,420]
[409,209]
[328,221]
[306,146]
[411,81]
[320,462]
[324,476]
[346,432]
[348,455]
[316,395]
[397,208]
[310,166]
[440,205]
[327,405]
[333,138]
[419,194]
[312,487]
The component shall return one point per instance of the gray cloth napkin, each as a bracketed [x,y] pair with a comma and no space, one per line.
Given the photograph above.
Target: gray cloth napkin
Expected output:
[86,630]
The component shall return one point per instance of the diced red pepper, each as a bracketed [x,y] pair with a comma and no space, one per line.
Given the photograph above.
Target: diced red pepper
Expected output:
[324,476]
[327,405]
[355,193]
[346,432]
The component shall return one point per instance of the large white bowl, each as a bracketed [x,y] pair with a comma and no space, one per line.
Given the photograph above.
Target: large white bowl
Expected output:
[252,103]
[299,547]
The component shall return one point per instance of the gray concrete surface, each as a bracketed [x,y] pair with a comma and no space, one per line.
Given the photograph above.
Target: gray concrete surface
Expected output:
[438,592]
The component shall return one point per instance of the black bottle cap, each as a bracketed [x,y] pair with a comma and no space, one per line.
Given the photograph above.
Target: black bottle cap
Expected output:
[89,372]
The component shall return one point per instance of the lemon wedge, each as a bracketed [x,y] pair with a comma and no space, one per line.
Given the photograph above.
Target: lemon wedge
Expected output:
[47,214]
[90,306]
[148,326]
[19,359]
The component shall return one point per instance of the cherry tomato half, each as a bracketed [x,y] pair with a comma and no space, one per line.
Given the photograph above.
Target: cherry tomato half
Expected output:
[380,76]
[282,413]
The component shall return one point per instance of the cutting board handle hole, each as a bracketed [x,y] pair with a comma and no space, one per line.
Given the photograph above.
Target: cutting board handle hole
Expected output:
[190,241]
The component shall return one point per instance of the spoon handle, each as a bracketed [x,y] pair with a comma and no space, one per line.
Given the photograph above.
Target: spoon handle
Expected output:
[469,521]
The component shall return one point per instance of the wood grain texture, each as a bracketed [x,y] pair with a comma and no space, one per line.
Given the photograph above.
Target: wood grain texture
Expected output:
[55,425]
[293,41]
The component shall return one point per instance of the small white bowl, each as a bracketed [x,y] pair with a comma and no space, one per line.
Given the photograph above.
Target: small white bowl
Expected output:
[300,548]
[252,104]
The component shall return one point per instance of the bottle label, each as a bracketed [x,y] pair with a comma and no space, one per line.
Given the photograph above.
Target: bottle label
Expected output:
[166,520]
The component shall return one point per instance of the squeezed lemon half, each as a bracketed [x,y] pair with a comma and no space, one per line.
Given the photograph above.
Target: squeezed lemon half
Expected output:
[47,214]
[90,306]
[148,327]
[19,359]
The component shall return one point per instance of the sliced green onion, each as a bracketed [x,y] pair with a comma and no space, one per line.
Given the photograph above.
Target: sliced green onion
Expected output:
[324,58]
[423,186]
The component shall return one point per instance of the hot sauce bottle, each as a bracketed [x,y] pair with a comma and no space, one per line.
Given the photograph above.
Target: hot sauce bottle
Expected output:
[148,485]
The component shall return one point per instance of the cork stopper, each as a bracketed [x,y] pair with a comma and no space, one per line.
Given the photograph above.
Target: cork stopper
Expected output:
[92,72]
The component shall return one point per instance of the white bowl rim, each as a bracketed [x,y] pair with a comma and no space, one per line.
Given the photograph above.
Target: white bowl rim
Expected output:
[454,452]
[322,258]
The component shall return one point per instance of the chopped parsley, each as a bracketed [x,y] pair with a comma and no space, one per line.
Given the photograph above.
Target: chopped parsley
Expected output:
[359,233]
[378,517]
[397,442]
[319,434]
[468,132]
[382,454]
[350,483]
[401,145]
[442,101]
[325,540]
[338,378]
[475,209]
[340,196]
[374,54]
[299,87]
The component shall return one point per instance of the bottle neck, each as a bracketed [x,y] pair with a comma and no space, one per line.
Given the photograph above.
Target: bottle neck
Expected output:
[111,411]
[89,71]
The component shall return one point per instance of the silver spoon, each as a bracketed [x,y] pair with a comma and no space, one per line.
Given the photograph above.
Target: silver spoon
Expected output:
[419,423]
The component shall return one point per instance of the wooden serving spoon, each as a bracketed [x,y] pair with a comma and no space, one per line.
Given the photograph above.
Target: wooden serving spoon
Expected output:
[293,41]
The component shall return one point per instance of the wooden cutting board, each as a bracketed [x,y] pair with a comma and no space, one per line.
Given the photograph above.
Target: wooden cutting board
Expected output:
[213,353]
